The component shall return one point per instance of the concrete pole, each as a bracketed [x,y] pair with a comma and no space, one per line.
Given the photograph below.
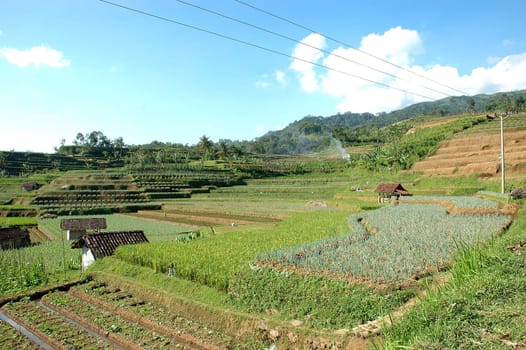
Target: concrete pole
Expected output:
[502,170]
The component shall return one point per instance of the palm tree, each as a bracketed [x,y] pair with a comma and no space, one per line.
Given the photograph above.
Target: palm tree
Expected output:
[223,150]
[206,146]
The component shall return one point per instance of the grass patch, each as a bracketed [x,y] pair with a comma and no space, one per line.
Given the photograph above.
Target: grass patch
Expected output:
[143,275]
[483,306]
[319,302]
[215,260]
[17,221]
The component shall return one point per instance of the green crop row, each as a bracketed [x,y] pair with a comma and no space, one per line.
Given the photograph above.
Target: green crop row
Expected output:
[315,300]
[393,243]
[33,266]
[17,221]
[214,261]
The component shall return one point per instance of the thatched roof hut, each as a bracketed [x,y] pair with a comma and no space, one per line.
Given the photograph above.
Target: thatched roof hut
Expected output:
[387,190]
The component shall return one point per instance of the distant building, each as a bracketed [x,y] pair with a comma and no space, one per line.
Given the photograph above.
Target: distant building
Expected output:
[75,228]
[387,190]
[30,186]
[98,245]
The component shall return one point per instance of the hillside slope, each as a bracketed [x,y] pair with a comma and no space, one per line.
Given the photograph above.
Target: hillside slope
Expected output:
[315,133]
[478,151]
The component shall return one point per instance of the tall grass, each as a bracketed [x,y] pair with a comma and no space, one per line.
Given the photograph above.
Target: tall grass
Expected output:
[483,306]
[36,265]
[215,260]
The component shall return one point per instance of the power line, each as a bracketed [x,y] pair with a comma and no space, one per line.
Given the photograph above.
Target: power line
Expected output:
[260,47]
[304,44]
[347,45]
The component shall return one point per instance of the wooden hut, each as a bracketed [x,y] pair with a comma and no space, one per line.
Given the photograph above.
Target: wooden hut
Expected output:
[98,245]
[30,186]
[387,190]
[75,228]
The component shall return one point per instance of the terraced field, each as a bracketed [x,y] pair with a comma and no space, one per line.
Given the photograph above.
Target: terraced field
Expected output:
[105,317]
[103,314]
[478,151]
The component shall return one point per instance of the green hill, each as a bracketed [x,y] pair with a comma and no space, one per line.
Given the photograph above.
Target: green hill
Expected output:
[315,133]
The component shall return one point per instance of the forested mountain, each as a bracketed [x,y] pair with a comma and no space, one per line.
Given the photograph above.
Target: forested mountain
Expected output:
[313,133]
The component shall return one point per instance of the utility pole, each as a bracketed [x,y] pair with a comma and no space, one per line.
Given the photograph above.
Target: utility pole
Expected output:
[502,170]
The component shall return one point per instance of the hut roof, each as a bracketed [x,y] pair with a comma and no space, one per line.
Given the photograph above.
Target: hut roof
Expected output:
[392,188]
[104,243]
[30,186]
[83,224]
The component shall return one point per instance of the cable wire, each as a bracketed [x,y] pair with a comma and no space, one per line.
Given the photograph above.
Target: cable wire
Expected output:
[306,44]
[260,47]
[347,45]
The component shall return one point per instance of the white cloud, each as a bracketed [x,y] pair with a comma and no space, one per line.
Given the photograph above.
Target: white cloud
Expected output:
[266,81]
[261,128]
[506,75]
[398,88]
[280,77]
[263,82]
[396,45]
[304,54]
[493,59]
[507,42]
[37,56]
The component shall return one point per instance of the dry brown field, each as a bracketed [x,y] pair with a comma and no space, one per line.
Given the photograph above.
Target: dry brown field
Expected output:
[478,152]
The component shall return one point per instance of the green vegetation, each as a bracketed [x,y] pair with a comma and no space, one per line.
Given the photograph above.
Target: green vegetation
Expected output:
[283,238]
[393,243]
[401,155]
[37,265]
[13,339]
[483,306]
[17,221]
[215,260]
[318,301]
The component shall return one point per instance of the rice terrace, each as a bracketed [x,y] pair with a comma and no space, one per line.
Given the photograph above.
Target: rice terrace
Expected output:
[407,242]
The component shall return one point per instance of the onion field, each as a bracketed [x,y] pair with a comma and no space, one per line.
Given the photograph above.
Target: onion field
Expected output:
[393,243]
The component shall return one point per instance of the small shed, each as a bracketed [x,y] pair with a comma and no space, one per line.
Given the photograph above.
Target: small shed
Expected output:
[14,238]
[30,186]
[387,190]
[75,228]
[98,245]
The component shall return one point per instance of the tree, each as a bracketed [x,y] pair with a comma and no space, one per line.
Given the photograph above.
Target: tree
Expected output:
[471,105]
[118,145]
[223,150]
[79,139]
[518,103]
[206,146]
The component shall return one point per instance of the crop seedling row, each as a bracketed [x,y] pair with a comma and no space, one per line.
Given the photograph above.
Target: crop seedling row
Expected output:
[132,333]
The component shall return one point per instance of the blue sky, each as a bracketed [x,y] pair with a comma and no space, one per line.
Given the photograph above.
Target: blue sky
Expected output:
[85,65]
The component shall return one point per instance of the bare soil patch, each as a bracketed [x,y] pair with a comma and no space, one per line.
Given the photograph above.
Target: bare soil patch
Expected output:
[477,153]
